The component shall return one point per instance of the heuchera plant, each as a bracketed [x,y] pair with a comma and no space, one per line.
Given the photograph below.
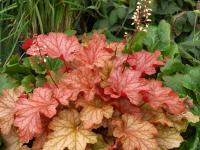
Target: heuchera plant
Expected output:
[99,99]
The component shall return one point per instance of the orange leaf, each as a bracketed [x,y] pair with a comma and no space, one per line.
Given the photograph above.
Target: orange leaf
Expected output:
[136,134]
[168,138]
[68,133]
[93,112]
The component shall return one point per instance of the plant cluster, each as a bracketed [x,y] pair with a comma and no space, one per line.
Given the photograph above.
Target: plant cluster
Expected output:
[91,95]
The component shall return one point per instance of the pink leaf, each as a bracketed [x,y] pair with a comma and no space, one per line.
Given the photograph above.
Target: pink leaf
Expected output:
[158,96]
[126,82]
[37,47]
[145,62]
[55,45]
[62,94]
[28,112]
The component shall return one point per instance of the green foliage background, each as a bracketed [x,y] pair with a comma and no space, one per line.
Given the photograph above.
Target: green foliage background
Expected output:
[175,31]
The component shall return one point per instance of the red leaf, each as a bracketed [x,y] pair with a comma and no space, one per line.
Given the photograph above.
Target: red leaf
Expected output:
[94,53]
[27,43]
[158,96]
[28,112]
[126,82]
[124,106]
[82,80]
[145,62]
[55,45]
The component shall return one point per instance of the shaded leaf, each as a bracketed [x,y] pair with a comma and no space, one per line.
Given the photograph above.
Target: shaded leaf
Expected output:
[28,83]
[168,138]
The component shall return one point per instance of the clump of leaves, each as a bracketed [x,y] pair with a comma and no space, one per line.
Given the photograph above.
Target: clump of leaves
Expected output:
[98,98]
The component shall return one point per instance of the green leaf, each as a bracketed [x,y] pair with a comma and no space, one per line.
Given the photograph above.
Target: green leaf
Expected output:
[186,84]
[37,65]
[100,145]
[101,24]
[26,62]
[14,59]
[165,7]
[28,83]
[179,25]
[192,142]
[151,40]
[172,66]
[191,17]
[189,80]
[6,82]
[70,32]
[136,43]
[176,83]
[163,34]
[192,79]
[113,17]
[171,50]
[111,38]
[121,12]
[53,64]
[40,80]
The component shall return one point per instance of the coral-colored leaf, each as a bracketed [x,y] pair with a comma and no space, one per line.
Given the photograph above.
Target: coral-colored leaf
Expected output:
[93,112]
[55,45]
[168,138]
[28,112]
[116,47]
[136,134]
[145,62]
[82,80]
[125,82]
[94,52]
[62,94]
[8,101]
[158,96]
[68,133]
